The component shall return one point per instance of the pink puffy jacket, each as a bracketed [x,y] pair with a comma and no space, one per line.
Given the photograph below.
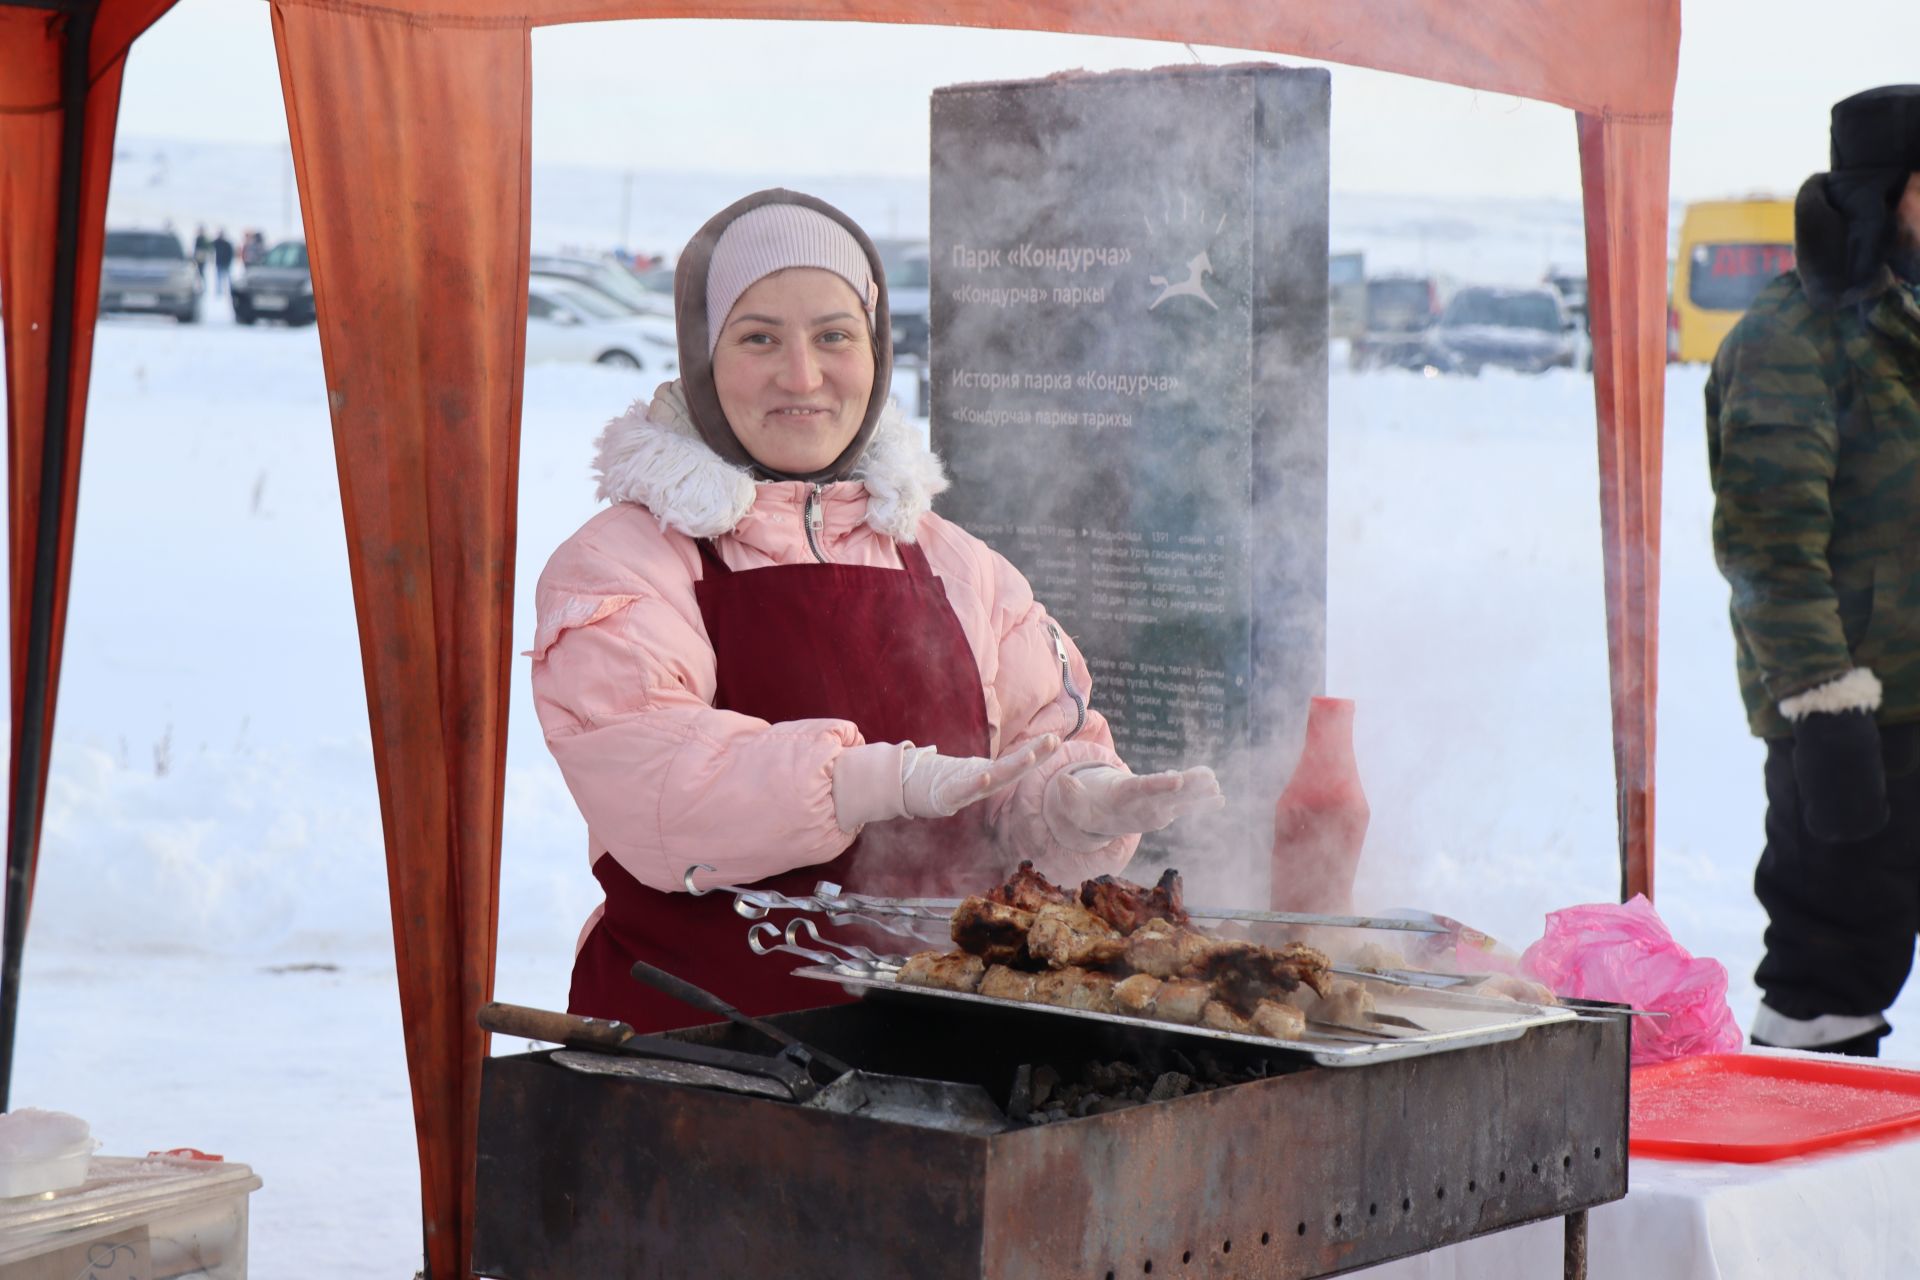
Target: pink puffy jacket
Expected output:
[623,674]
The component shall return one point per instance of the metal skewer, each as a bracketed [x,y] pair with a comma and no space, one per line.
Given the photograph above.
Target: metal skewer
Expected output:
[830,900]
[1450,984]
[941,908]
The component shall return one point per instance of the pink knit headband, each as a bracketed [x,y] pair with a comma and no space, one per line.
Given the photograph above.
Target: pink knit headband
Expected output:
[772,238]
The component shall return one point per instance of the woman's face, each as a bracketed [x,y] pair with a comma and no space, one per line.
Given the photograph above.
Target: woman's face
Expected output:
[794,369]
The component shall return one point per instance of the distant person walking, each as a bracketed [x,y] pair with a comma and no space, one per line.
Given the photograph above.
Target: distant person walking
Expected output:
[222,259]
[1813,442]
[202,252]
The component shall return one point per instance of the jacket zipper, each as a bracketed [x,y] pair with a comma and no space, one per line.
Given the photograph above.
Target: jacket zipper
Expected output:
[1066,682]
[815,520]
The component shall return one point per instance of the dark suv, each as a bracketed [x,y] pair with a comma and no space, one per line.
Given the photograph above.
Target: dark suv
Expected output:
[149,271]
[278,287]
[1399,311]
[1527,330]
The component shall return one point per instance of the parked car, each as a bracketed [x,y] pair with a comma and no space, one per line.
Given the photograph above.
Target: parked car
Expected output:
[1524,329]
[657,279]
[567,321]
[606,277]
[277,287]
[909,280]
[149,271]
[1346,295]
[1572,288]
[1399,311]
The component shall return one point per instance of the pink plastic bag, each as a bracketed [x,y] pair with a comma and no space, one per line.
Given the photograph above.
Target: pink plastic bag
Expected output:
[1623,953]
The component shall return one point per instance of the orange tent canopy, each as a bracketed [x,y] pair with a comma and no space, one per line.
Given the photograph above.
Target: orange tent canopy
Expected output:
[410,124]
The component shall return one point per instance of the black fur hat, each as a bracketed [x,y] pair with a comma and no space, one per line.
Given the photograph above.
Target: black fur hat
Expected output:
[1878,129]
[1844,228]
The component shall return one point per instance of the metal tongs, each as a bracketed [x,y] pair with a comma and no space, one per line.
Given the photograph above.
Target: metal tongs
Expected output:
[841,907]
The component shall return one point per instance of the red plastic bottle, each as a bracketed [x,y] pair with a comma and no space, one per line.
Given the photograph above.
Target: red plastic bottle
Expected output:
[1320,822]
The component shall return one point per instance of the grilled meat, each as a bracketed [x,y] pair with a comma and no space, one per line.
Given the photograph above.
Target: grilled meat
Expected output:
[1073,988]
[1004,983]
[1181,1000]
[1348,1003]
[1244,973]
[1128,906]
[1066,934]
[1028,890]
[1514,987]
[947,970]
[991,930]
[1137,995]
[1281,1021]
[1376,956]
[1157,965]
[1222,1016]
[1166,951]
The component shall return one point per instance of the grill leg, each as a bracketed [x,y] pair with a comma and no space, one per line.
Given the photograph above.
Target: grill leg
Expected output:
[1576,1255]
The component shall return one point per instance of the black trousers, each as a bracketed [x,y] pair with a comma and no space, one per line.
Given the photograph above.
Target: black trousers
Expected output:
[1841,917]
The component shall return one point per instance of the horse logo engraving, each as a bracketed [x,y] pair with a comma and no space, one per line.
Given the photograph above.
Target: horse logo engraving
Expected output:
[1198,268]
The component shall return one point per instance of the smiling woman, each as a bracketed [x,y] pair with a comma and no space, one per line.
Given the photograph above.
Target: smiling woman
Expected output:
[770,658]
[794,369]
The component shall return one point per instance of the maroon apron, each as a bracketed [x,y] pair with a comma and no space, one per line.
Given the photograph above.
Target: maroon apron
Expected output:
[879,647]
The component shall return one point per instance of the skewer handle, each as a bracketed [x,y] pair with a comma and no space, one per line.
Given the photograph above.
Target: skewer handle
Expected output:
[554,1028]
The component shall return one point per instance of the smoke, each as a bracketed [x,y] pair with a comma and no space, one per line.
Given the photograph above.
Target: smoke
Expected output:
[1176,515]
[1129,367]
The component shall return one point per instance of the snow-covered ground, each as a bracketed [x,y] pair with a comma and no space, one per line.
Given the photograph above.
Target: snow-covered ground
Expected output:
[210,961]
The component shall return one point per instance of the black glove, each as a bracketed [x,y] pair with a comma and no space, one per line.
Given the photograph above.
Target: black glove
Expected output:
[1842,779]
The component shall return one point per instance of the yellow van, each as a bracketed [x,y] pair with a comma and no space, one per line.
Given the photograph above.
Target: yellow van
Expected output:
[1729,250]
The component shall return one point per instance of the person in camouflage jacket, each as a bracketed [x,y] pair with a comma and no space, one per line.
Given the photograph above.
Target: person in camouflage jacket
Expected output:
[1813,440]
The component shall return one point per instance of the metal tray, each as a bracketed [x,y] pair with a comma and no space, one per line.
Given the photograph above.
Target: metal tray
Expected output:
[1455,1024]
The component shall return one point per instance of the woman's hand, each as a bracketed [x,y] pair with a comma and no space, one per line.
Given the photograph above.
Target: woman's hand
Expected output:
[937,786]
[1086,808]
[882,780]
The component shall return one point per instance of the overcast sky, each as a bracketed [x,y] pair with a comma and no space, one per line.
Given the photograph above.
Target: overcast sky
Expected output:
[1756,80]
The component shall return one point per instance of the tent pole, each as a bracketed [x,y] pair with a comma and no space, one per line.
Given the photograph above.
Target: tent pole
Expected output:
[23,830]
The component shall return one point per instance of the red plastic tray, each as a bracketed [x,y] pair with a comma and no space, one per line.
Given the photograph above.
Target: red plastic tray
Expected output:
[1749,1108]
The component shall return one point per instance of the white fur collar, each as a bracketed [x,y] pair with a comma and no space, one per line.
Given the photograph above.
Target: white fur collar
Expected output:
[653,455]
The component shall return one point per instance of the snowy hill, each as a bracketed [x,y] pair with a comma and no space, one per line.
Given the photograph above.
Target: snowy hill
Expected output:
[240,185]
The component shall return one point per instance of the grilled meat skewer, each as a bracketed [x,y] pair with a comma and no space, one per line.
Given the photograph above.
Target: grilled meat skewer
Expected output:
[1128,906]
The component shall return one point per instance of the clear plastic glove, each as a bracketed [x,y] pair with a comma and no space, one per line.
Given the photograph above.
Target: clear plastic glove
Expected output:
[937,786]
[1086,808]
[879,781]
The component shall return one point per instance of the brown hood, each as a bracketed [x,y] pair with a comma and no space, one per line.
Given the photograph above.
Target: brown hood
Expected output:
[696,365]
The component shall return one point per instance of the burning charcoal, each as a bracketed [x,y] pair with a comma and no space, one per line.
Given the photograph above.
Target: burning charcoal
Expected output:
[1021,1101]
[1045,1081]
[1173,1084]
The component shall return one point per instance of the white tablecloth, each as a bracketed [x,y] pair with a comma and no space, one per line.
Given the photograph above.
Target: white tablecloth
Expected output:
[1849,1214]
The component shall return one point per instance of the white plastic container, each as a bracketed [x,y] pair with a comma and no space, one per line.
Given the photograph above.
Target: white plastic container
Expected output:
[53,1171]
[159,1216]
[42,1151]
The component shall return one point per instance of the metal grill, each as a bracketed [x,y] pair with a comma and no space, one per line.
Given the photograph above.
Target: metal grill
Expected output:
[1303,1171]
